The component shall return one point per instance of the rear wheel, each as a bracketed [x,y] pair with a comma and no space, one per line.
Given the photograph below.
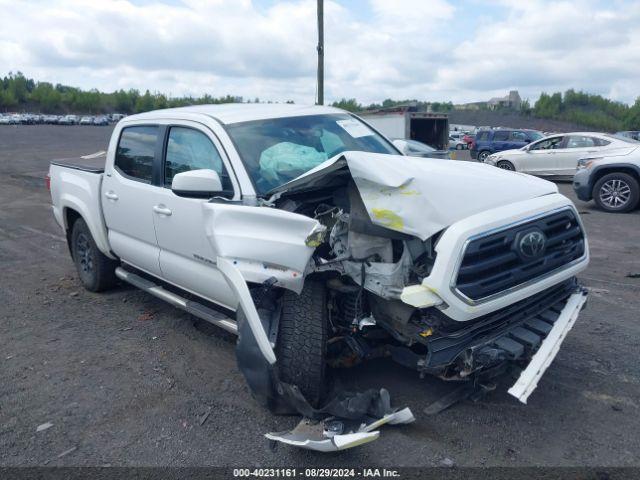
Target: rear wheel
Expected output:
[482,156]
[95,269]
[459,146]
[616,192]
[302,340]
[506,165]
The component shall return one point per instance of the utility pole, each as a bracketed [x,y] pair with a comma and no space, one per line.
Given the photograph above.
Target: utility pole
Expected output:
[320,52]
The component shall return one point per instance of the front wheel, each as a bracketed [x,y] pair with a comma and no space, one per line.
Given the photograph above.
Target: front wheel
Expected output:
[301,347]
[506,165]
[482,156]
[95,269]
[616,192]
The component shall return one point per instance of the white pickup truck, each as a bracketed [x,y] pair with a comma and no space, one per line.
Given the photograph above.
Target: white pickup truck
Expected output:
[326,246]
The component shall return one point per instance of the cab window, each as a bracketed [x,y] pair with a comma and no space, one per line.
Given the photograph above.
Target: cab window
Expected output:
[189,149]
[135,152]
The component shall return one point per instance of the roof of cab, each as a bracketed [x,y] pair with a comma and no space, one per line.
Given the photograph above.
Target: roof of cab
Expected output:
[228,113]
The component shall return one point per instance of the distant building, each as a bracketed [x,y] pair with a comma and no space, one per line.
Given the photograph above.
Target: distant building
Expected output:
[511,101]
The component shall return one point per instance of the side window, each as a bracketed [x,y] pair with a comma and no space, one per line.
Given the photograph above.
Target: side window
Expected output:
[599,142]
[483,135]
[518,136]
[501,136]
[548,144]
[578,141]
[189,149]
[135,152]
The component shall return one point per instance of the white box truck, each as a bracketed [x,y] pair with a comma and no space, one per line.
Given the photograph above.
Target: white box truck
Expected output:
[425,127]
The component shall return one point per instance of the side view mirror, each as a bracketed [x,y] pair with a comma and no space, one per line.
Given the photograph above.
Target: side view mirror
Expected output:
[203,183]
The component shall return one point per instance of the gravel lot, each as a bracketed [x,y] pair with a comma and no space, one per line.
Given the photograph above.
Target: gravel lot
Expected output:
[125,379]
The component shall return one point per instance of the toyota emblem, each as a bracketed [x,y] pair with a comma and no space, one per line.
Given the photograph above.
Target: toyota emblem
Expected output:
[532,244]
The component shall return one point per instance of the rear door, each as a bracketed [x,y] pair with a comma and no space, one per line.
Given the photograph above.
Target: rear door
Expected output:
[576,147]
[501,140]
[540,157]
[128,196]
[187,258]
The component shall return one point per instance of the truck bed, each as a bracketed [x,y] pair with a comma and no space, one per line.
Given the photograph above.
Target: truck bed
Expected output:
[93,163]
[75,185]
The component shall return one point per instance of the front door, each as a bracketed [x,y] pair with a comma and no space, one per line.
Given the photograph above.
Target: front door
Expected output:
[540,157]
[128,197]
[187,257]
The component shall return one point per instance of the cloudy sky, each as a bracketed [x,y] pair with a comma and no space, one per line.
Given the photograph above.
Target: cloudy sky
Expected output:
[431,50]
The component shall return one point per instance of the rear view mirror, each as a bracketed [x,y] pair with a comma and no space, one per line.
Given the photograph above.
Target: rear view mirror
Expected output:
[197,183]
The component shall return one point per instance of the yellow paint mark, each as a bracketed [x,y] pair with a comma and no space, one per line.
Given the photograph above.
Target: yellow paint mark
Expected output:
[404,191]
[390,219]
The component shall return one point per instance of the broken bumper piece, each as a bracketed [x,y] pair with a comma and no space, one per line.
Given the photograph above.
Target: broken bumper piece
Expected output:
[333,434]
[528,380]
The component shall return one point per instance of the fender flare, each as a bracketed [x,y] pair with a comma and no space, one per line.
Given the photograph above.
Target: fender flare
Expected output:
[98,231]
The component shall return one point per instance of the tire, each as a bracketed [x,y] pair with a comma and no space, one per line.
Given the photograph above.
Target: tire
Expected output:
[482,156]
[302,340]
[616,193]
[459,147]
[506,165]
[95,269]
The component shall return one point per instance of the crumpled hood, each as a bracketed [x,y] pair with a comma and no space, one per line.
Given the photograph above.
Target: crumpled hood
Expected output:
[421,196]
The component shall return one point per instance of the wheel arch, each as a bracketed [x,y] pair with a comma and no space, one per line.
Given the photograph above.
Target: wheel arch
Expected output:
[603,170]
[71,212]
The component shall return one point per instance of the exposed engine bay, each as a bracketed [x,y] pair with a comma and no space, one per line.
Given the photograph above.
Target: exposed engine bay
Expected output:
[367,257]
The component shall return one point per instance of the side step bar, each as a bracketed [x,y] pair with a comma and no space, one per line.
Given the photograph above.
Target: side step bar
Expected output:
[194,308]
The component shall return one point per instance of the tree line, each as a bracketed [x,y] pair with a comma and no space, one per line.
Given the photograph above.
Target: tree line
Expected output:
[587,109]
[19,93]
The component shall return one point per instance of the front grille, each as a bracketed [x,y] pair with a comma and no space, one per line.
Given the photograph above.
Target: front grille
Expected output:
[493,263]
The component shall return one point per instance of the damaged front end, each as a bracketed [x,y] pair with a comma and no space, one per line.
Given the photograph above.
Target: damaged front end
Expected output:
[432,280]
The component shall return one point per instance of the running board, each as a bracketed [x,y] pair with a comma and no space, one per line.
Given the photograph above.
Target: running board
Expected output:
[194,308]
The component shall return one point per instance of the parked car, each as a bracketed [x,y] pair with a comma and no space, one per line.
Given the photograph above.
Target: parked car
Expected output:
[68,120]
[558,155]
[492,141]
[326,243]
[456,143]
[611,180]
[5,120]
[414,148]
[101,121]
[632,134]
[86,121]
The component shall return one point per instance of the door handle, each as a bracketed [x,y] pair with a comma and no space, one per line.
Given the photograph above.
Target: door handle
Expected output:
[162,210]
[111,195]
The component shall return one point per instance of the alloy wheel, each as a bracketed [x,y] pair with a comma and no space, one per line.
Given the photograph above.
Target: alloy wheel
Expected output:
[615,193]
